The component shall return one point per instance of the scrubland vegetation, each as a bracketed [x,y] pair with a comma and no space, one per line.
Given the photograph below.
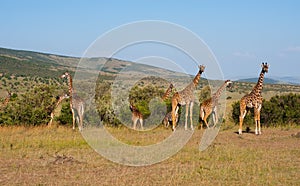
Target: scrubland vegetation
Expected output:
[33,153]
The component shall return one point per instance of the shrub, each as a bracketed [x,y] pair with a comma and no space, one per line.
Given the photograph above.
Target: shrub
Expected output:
[32,108]
[65,116]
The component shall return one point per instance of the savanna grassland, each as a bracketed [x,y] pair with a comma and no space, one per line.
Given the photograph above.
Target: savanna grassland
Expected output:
[60,156]
[33,154]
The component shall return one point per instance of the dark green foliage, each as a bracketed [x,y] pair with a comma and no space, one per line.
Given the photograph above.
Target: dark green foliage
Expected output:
[144,97]
[104,105]
[141,97]
[65,116]
[205,93]
[31,108]
[279,110]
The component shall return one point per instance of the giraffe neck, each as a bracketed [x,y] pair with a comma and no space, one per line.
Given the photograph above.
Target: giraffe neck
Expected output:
[217,94]
[61,98]
[167,93]
[197,78]
[194,83]
[259,85]
[70,86]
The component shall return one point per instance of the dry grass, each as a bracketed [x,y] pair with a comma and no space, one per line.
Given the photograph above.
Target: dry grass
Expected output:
[43,156]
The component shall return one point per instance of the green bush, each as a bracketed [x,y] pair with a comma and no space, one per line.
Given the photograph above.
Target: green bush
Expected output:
[31,108]
[65,116]
[140,95]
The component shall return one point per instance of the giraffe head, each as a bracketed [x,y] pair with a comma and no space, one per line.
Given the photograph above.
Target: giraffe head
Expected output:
[132,107]
[64,75]
[201,68]
[265,67]
[228,83]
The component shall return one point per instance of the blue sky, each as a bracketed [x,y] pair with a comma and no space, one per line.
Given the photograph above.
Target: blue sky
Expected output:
[241,34]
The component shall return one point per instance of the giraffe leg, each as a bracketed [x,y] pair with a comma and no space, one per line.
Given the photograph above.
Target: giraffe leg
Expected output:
[201,114]
[205,119]
[174,108]
[259,127]
[50,122]
[166,122]
[79,121]
[191,115]
[243,113]
[81,112]
[73,118]
[186,116]
[141,121]
[215,117]
[256,120]
[134,123]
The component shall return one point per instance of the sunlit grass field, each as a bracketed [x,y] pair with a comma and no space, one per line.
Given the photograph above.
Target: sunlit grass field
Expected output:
[60,156]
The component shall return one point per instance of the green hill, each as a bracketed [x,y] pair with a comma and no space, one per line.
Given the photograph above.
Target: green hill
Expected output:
[27,63]
[266,81]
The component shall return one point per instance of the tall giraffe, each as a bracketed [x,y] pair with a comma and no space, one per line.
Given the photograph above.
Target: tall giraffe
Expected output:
[76,103]
[186,97]
[137,115]
[60,99]
[254,100]
[209,106]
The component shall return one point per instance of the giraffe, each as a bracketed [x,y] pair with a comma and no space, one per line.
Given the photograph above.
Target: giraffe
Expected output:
[7,99]
[76,103]
[209,106]
[168,117]
[186,97]
[60,99]
[167,93]
[254,100]
[136,116]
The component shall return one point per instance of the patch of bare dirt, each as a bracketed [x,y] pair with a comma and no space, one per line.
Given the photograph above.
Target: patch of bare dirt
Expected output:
[63,159]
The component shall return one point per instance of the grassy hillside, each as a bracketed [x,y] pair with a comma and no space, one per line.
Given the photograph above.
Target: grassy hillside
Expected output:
[266,80]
